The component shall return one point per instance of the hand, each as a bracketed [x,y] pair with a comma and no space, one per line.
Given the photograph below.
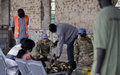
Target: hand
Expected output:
[54,46]
[55,43]
[54,55]
[41,56]
[57,57]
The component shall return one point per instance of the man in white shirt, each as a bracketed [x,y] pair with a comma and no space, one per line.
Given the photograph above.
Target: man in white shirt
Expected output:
[26,44]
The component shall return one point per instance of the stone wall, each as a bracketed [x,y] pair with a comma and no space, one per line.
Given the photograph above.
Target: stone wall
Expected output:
[80,13]
[5,12]
[45,18]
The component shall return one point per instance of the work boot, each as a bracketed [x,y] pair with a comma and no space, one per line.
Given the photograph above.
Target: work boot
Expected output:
[73,66]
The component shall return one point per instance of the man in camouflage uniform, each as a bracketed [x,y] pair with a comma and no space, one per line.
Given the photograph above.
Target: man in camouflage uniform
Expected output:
[83,49]
[43,48]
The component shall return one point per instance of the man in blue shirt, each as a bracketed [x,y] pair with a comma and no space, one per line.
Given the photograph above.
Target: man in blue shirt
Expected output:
[66,34]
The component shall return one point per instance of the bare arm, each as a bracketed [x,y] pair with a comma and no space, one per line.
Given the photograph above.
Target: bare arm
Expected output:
[100,58]
[12,25]
[13,29]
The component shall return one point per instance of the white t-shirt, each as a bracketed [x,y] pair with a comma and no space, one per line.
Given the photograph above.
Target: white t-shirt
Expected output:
[12,67]
[14,51]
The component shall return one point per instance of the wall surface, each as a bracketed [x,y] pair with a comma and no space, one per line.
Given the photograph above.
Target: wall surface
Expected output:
[80,13]
[4,12]
[4,24]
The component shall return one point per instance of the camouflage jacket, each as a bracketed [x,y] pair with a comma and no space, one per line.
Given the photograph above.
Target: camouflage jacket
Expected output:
[43,49]
[83,51]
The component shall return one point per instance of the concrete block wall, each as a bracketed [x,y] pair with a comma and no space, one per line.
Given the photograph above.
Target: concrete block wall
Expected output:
[4,24]
[80,13]
[5,12]
[45,18]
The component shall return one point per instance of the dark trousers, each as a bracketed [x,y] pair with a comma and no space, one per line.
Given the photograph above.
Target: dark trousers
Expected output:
[70,54]
[10,56]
